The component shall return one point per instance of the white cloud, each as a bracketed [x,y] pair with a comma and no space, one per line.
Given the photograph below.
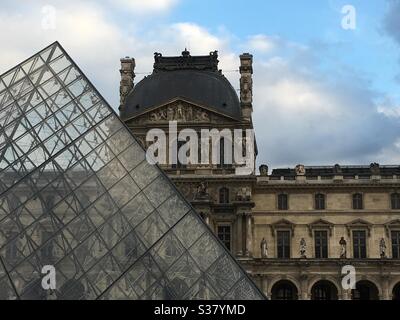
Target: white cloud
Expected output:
[261,43]
[145,6]
[301,113]
[389,109]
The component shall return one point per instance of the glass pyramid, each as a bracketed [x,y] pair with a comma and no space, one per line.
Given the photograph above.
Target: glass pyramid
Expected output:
[77,193]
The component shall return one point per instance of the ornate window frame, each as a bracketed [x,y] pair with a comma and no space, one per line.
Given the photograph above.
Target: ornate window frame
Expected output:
[320,224]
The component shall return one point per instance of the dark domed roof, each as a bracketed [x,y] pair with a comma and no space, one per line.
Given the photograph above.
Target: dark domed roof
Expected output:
[194,79]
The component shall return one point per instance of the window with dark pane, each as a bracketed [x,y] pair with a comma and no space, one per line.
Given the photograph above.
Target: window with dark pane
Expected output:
[395,244]
[283,201]
[319,201]
[321,244]
[357,201]
[395,200]
[224,234]
[283,244]
[179,164]
[224,153]
[359,244]
[224,195]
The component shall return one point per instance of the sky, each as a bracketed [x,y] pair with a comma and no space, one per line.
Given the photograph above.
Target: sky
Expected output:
[324,93]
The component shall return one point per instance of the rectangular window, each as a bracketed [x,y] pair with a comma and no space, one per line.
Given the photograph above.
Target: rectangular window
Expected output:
[320,202]
[359,244]
[224,234]
[321,244]
[395,199]
[396,244]
[282,202]
[283,244]
[179,165]
[358,201]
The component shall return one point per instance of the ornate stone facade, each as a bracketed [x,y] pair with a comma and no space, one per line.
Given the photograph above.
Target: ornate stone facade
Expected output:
[286,227]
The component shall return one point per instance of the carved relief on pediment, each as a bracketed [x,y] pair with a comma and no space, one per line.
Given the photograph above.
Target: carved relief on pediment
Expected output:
[180,111]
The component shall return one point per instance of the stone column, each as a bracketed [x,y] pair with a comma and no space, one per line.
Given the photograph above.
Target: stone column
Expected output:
[264,286]
[385,289]
[246,85]
[304,288]
[127,72]
[249,235]
[239,234]
[346,294]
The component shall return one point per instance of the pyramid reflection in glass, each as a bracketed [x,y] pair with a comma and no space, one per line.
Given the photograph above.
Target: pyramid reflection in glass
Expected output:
[77,193]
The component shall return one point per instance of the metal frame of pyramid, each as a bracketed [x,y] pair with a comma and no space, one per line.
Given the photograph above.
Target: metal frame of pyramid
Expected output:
[77,193]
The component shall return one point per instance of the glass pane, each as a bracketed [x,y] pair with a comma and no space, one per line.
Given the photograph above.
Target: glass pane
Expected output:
[77,193]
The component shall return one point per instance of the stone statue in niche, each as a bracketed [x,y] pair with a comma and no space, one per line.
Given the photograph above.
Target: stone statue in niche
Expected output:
[201,192]
[303,248]
[382,248]
[264,248]
[343,250]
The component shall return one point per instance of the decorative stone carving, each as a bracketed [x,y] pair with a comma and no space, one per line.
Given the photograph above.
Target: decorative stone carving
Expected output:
[243,194]
[263,170]
[201,191]
[179,112]
[246,81]
[382,248]
[303,248]
[337,169]
[127,77]
[300,170]
[375,168]
[343,248]
[264,248]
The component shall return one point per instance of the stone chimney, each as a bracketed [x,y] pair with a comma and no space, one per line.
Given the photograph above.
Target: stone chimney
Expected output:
[246,85]
[127,76]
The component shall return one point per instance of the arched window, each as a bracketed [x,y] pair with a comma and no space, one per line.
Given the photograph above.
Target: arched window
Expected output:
[282,201]
[284,290]
[224,195]
[395,197]
[357,201]
[396,292]
[319,201]
[365,290]
[324,290]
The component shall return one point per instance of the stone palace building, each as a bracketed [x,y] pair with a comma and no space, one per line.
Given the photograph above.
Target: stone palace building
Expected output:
[293,230]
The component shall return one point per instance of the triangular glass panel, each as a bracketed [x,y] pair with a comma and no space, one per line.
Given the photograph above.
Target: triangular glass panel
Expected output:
[79,200]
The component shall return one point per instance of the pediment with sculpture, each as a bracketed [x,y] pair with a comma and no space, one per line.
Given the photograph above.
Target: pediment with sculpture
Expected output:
[181,111]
